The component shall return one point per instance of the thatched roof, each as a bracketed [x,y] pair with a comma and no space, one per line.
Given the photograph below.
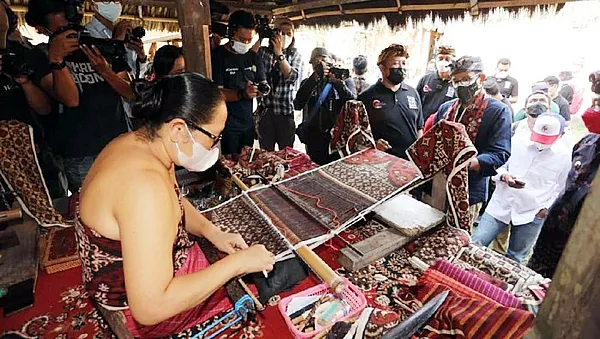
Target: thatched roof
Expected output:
[162,14]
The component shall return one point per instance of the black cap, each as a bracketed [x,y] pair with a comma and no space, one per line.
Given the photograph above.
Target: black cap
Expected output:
[552,80]
[540,86]
[467,64]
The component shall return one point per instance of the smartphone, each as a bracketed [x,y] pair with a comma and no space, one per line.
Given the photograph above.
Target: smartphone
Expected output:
[520,183]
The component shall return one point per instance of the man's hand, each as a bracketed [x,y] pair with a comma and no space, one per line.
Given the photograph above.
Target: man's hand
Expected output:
[542,213]
[277,44]
[383,145]
[474,165]
[98,62]
[251,90]
[138,48]
[121,29]
[63,45]
[512,181]
[22,80]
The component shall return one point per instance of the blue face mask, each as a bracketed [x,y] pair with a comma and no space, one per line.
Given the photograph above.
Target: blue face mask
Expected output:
[111,11]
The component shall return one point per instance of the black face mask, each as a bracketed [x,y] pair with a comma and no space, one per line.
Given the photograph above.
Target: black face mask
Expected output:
[536,109]
[466,93]
[396,76]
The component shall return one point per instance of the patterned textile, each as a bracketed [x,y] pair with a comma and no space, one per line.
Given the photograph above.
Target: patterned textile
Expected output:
[446,147]
[385,281]
[264,163]
[240,216]
[374,173]
[460,317]
[217,303]
[20,169]
[372,323]
[471,116]
[352,130]
[518,277]
[470,280]
[102,260]
[297,161]
[432,276]
[563,214]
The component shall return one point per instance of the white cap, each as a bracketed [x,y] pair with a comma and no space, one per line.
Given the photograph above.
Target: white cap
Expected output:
[548,128]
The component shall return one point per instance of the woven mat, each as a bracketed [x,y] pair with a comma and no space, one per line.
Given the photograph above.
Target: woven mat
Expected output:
[60,253]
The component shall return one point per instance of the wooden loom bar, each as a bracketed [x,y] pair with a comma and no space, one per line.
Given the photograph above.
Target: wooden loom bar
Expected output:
[316,264]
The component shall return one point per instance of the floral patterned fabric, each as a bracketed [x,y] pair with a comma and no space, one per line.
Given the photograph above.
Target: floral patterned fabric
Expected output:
[352,130]
[101,261]
[471,118]
[20,170]
[447,148]
[264,163]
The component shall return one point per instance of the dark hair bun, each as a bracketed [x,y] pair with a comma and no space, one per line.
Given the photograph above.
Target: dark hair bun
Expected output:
[148,99]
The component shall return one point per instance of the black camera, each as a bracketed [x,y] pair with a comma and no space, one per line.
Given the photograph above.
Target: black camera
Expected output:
[340,73]
[16,63]
[263,87]
[263,27]
[136,34]
[112,50]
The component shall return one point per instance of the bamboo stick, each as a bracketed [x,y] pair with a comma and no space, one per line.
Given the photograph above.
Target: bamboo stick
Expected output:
[12,214]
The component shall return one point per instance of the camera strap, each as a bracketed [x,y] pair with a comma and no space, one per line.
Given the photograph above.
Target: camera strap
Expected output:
[324,93]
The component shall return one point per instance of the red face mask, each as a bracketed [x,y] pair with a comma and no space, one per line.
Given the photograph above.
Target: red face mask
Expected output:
[591,119]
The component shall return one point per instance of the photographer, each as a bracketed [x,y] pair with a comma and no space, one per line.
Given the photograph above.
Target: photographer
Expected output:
[239,74]
[87,86]
[104,26]
[322,96]
[281,62]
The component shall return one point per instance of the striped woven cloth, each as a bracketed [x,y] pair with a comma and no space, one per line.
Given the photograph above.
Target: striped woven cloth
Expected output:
[462,318]
[476,283]
[435,277]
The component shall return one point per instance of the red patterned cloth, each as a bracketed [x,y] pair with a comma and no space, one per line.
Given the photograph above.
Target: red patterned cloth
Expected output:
[217,303]
[470,280]
[460,317]
[264,163]
[447,148]
[436,277]
[471,116]
[352,130]
[297,161]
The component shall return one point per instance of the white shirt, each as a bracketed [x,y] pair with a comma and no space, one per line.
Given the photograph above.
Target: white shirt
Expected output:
[544,173]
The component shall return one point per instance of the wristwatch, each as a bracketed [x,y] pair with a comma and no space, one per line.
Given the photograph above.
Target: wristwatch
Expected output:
[281,57]
[57,66]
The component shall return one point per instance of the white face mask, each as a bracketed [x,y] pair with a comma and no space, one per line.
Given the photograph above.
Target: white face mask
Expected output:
[111,11]
[541,147]
[502,75]
[240,47]
[201,158]
[286,41]
[442,66]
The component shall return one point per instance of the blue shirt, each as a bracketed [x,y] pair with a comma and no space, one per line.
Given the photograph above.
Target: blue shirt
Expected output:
[492,143]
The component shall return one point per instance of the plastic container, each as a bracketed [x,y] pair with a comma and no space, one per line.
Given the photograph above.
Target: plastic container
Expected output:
[352,295]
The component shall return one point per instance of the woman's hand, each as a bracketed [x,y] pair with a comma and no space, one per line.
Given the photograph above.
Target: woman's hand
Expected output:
[255,259]
[227,242]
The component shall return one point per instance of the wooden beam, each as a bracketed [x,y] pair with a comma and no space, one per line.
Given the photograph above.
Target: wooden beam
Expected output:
[571,307]
[312,5]
[432,8]
[194,20]
[152,3]
[23,9]
[474,7]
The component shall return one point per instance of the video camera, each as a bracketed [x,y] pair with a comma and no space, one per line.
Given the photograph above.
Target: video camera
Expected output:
[340,73]
[136,35]
[263,27]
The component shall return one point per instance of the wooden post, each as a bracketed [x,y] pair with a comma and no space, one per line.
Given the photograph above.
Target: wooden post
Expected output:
[194,20]
[571,308]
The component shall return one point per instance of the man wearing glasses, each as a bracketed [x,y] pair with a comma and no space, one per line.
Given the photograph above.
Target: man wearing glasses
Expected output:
[487,122]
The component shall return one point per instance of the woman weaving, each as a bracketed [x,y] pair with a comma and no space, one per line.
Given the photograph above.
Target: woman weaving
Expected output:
[132,223]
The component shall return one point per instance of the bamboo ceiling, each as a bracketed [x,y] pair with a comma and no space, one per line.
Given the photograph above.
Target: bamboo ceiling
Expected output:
[162,14]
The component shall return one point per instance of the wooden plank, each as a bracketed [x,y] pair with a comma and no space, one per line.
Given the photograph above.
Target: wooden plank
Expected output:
[474,7]
[312,5]
[403,212]
[194,21]
[373,248]
[571,307]
[152,3]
